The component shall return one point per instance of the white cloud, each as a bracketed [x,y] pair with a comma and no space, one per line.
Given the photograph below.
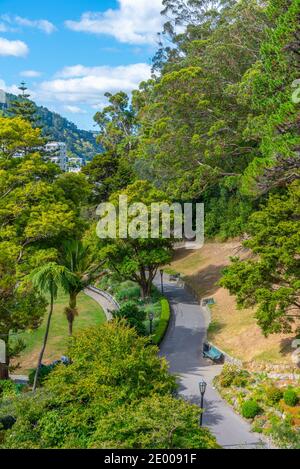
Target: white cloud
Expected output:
[43,25]
[30,74]
[74,109]
[80,84]
[134,22]
[7,21]
[3,28]
[8,89]
[14,48]
[80,90]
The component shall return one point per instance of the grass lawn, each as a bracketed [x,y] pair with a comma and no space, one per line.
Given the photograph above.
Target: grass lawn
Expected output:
[90,314]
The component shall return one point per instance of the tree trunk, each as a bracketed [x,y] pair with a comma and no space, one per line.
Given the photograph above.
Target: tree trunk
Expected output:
[44,344]
[4,375]
[72,312]
[145,289]
[70,322]
[4,367]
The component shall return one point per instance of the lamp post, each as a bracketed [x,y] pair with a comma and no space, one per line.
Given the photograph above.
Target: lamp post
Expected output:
[202,388]
[162,281]
[151,317]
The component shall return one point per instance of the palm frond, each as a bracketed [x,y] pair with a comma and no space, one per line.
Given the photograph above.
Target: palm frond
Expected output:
[49,277]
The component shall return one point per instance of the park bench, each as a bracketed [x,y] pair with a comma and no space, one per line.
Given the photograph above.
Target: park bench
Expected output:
[208,302]
[211,352]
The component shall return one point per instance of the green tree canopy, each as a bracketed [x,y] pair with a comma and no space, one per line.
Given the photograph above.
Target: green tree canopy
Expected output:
[39,207]
[112,370]
[269,280]
[138,259]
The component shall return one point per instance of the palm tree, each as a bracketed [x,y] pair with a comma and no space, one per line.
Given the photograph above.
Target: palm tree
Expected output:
[85,267]
[47,279]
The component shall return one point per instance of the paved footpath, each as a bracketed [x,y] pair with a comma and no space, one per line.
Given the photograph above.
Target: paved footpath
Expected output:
[182,347]
[104,300]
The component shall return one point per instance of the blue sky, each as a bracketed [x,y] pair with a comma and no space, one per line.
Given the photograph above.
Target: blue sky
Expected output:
[70,52]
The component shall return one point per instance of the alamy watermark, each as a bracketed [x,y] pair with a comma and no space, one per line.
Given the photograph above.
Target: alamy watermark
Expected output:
[179,222]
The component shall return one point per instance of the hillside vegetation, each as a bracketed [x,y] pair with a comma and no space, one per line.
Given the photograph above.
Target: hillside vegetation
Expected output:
[80,143]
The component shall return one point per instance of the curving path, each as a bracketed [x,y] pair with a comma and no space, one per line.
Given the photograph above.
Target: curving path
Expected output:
[182,347]
[107,302]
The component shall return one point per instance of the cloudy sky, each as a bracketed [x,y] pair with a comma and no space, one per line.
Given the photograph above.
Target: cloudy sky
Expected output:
[71,52]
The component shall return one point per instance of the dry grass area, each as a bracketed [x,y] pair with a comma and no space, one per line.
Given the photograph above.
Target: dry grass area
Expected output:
[235,331]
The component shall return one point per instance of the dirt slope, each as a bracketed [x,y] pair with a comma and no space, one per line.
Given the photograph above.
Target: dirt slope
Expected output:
[232,330]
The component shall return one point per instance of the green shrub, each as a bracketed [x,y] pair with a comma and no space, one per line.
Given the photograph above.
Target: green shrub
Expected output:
[273,395]
[232,375]
[290,397]
[131,293]
[10,389]
[162,327]
[114,377]
[240,381]
[134,315]
[284,434]
[250,409]
[130,310]
[45,370]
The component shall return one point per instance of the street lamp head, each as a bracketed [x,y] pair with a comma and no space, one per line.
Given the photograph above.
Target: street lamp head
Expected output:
[202,387]
[161,272]
[151,316]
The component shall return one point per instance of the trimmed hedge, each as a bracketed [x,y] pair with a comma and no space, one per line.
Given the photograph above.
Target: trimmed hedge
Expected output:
[163,322]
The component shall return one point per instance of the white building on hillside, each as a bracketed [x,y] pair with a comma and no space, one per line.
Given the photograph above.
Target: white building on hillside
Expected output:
[57,153]
[3,101]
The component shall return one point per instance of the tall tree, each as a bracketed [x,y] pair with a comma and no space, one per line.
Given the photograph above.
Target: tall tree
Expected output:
[38,209]
[21,308]
[139,258]
[192,121]
[269,279]
[84,265]
[275,115]
[23,107]
[112,170]
[47,280]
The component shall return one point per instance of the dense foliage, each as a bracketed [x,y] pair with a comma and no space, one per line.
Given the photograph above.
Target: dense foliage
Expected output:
[132,256]
[271,405]
[217,122]
[270,279]
[250,409]
[39,207]
[116,393]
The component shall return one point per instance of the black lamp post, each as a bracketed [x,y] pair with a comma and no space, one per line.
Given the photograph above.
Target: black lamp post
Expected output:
[151,317]
[162,281]
[202,388]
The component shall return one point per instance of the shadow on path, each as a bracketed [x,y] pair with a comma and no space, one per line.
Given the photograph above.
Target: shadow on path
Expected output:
[182,347]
